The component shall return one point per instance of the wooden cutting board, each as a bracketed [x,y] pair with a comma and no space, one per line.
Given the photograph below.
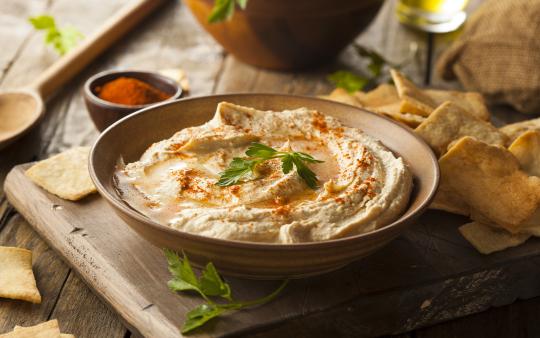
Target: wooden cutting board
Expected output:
[428,275]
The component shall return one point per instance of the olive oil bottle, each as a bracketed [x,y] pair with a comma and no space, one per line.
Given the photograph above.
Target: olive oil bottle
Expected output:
[438,16]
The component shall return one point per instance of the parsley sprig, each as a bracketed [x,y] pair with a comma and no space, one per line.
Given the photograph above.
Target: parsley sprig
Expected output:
[376,63]
[223,10]
[62,39]
[208,285]
[242,168]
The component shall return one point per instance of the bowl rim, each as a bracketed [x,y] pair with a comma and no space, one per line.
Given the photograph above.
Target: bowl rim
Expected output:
[123,207]
[87,88]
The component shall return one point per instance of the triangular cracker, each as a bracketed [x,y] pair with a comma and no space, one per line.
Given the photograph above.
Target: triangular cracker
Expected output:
[341,95]
[471,102]
[487,239]
[450,122]
[54,322]
[514,130]
[413,99]
[16,277]
[488,179]
[65,175]
[384,94]
[526,148]
[449,201]
[48,329]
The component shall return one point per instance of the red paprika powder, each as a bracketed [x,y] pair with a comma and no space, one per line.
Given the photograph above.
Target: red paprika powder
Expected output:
[130,91]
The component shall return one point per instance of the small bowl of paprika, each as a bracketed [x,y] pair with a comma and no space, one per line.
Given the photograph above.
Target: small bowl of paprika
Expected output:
[112,95]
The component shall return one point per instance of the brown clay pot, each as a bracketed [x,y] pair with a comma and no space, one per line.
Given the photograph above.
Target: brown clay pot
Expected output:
[288,34]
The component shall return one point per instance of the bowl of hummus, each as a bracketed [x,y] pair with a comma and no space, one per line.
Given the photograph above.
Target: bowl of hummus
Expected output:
[262,185]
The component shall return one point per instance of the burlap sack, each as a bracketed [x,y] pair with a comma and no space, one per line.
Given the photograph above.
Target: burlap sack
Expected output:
[498,54]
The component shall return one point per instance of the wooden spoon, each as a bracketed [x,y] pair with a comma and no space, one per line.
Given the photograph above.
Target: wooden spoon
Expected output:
[22,109]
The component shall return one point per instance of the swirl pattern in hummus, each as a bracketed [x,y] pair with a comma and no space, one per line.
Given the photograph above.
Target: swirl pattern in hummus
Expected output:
[363,186]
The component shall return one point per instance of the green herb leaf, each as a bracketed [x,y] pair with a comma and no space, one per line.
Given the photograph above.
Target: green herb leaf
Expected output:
[63,40]
[208,285]
[308,158]
[287,164]
[43,22]
[200,315]
[183,276]
[242,3]
[376,60]
[348,81]
[260,150]
[303,171]
[223,10]
[212,284]
[240,168]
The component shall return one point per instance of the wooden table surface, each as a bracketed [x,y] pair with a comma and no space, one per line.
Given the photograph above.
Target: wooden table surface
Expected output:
[170,39]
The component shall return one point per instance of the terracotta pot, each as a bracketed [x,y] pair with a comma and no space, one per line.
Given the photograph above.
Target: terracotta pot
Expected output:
[288,34]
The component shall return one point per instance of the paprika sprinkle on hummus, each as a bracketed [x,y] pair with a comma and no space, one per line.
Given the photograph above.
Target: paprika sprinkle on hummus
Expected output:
[130,91]
[268,176]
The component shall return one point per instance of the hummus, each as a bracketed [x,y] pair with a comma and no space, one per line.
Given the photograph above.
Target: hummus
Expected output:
[362,185]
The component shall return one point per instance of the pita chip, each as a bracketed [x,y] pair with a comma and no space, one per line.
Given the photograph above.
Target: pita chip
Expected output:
[65,175]
[384,100]
[48,329]
[413,99]
[514,130]
[422,102]
[526,148]
[449,201]
[488,179]
[16,277]
[383,95]
[62,335]
[341,95]
[471,102]
[487,239]
[392,111]
[450,122]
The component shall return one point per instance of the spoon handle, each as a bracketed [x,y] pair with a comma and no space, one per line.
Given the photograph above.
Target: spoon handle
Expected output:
[74,61]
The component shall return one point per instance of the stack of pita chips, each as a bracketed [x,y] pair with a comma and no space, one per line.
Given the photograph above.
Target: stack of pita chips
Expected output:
[490,175]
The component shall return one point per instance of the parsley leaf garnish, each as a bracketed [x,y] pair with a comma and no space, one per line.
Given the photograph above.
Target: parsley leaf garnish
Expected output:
[208,285]
[244,168]
[376,63]
[63,40]
[348,81]
[224,10]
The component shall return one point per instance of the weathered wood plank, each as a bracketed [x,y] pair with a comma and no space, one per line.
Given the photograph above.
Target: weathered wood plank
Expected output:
[50,274]
[378,295]
[517,320]
[14,29]
[153,46]
[82,313]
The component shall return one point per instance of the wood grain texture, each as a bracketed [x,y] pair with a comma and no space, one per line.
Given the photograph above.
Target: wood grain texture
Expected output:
[82,314]
[152,46]
[436,278]
[49,270]
[171,38]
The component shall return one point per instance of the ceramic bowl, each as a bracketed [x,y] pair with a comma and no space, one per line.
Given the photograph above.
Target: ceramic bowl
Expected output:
[288,34]
[104,113]
[131,136]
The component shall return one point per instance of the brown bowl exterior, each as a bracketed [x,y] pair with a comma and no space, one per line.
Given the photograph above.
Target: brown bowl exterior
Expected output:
[288,34]
[131,136]
[104,113]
